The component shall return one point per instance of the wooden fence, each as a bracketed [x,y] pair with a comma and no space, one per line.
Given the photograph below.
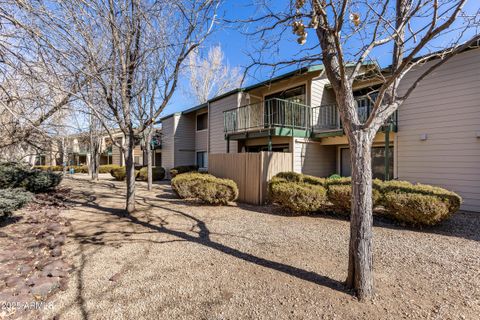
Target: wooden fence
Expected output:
[251,171]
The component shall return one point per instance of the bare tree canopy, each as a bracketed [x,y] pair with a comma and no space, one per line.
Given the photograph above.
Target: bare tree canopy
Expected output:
[346,35]
[210,76]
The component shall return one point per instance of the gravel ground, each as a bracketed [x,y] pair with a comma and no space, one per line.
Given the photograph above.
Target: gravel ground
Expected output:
[178,260]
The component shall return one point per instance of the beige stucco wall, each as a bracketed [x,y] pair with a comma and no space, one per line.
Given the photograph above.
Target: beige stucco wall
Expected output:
[445,107]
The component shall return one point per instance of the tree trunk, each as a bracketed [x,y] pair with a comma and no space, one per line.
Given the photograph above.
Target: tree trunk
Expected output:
[360,262]
[149,161]
[130,172]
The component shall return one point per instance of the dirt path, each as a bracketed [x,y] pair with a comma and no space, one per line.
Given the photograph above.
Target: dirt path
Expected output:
[176,260]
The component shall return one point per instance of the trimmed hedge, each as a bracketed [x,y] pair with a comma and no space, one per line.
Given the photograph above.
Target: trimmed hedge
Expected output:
[419,204]
[416,204]
[158,173]
[120,173]
[107,168]
[205,188]
[182,169]
[340,196]
[299,197]
[78,169]
[13,199]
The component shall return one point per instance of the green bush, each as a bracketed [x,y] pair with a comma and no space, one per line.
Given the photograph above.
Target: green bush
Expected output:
[205,187]
[13,175]
[78,169]
[335,176]
[42,181]
[182,169]
[298,197]
[13,199]
[416,208]
[454,200]
[340,196]
[419,204]
[107,168]
[158,173]
[120,174]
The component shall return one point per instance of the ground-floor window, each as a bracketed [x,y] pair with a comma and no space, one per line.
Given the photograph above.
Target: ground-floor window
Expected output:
[158,159]
[378,162]
[275,148]
[202,159]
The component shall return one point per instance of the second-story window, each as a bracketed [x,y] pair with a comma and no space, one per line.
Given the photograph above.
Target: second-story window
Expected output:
[202,121]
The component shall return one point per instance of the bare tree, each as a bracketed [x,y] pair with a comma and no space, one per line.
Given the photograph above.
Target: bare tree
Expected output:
[135,48]
[211,76]
[358,30]
[39,77]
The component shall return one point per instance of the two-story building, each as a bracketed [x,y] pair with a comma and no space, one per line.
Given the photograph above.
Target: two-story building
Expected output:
[434,137]
[77,149]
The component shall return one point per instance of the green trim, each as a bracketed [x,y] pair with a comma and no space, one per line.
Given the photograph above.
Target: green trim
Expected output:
[327,134]
[274,132]
[200,106]
[286,132]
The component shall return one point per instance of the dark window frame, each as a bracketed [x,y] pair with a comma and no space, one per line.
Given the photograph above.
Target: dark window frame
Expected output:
[203,123]
[202,162]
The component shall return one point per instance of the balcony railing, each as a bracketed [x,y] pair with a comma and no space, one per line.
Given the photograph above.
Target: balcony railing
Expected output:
[267,114]
[283,113]
[326,117]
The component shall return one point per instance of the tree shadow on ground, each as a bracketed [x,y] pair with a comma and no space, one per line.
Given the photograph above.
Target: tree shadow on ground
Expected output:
[204,239]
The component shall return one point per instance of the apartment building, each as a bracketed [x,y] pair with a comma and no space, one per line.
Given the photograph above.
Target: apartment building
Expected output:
[77,148]
[434,137]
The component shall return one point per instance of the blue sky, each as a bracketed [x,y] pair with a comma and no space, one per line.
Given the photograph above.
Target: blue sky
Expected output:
[236,46]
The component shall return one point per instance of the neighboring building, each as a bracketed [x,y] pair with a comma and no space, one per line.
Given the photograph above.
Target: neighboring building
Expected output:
[434,138]
[77,147]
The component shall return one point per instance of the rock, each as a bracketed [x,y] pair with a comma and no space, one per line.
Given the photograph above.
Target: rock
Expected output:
[14,281]
[44,286]
[115,277]
[56,252]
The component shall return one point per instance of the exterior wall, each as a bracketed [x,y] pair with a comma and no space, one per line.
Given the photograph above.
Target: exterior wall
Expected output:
[319,95]
[446,107]
[117,156]
[312,158]
[168,131]
[184,143]
[217,142]
[201,137]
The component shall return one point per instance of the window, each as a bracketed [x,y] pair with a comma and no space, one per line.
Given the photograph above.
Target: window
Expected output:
[296,95]
[202,159]
[378,162]
[202,121]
